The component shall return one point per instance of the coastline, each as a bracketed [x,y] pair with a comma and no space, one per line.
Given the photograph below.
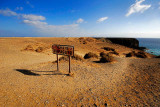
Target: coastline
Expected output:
[151,44]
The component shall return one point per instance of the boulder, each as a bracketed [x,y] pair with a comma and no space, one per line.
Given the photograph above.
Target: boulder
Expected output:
[90,55]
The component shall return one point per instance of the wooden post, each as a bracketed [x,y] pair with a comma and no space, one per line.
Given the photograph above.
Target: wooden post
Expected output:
[57,63]
[69,64]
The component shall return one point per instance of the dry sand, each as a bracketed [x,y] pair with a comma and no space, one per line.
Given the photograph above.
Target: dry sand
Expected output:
[29,78]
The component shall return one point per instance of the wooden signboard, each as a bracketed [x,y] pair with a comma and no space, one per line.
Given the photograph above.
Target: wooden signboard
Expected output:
[63,50]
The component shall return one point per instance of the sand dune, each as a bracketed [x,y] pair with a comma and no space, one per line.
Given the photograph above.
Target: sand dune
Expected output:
[29,78]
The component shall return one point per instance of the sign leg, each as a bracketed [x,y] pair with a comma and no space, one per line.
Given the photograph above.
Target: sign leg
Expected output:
[57,63]
[69,64]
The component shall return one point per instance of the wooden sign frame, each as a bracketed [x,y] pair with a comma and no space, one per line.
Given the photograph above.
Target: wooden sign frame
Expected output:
[67,50]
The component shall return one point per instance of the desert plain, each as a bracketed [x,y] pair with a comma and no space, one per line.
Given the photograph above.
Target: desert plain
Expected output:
[28,75]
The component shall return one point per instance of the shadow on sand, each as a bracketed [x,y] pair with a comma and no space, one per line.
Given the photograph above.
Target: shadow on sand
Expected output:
[32,72]
[27,72]
[99,62]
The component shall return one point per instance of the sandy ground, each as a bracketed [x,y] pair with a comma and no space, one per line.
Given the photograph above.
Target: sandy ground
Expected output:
[29,78]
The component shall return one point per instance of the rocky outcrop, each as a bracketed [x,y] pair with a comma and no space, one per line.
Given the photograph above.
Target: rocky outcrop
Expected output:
[129,42]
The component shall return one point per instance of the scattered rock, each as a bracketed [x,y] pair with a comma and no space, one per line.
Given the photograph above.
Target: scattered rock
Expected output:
[105,104]
[82,40]
[71,74]
[29,48]
[102,54]
[94,105]
[39,49]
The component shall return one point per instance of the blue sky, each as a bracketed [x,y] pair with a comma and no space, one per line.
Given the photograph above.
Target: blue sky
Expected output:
[63,18]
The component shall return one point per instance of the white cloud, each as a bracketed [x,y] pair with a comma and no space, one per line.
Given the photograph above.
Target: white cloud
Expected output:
[8,12]
[137,7]
[102,19]
[80,20]
[45,29]
[32,17]
[19,8]
[35,23]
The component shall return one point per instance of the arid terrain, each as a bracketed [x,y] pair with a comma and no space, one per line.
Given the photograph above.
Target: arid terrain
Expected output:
[28,75]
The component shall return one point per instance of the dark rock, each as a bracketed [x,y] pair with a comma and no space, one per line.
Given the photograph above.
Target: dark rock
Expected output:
[84,42]
[94,105]
[39,49]
[158,56]
[105,104]
[102,54]
[142,48]
[90,55]
[129,42]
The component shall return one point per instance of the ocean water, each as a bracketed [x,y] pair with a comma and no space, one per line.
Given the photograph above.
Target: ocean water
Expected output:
[152,44]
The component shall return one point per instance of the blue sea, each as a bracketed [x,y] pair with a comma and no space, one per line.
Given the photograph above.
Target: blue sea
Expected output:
[152,44]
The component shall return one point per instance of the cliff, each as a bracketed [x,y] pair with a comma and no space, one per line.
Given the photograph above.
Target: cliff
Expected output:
[129,42]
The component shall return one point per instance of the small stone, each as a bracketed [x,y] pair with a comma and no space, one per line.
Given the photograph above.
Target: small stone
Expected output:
[105,104]
[94,105]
